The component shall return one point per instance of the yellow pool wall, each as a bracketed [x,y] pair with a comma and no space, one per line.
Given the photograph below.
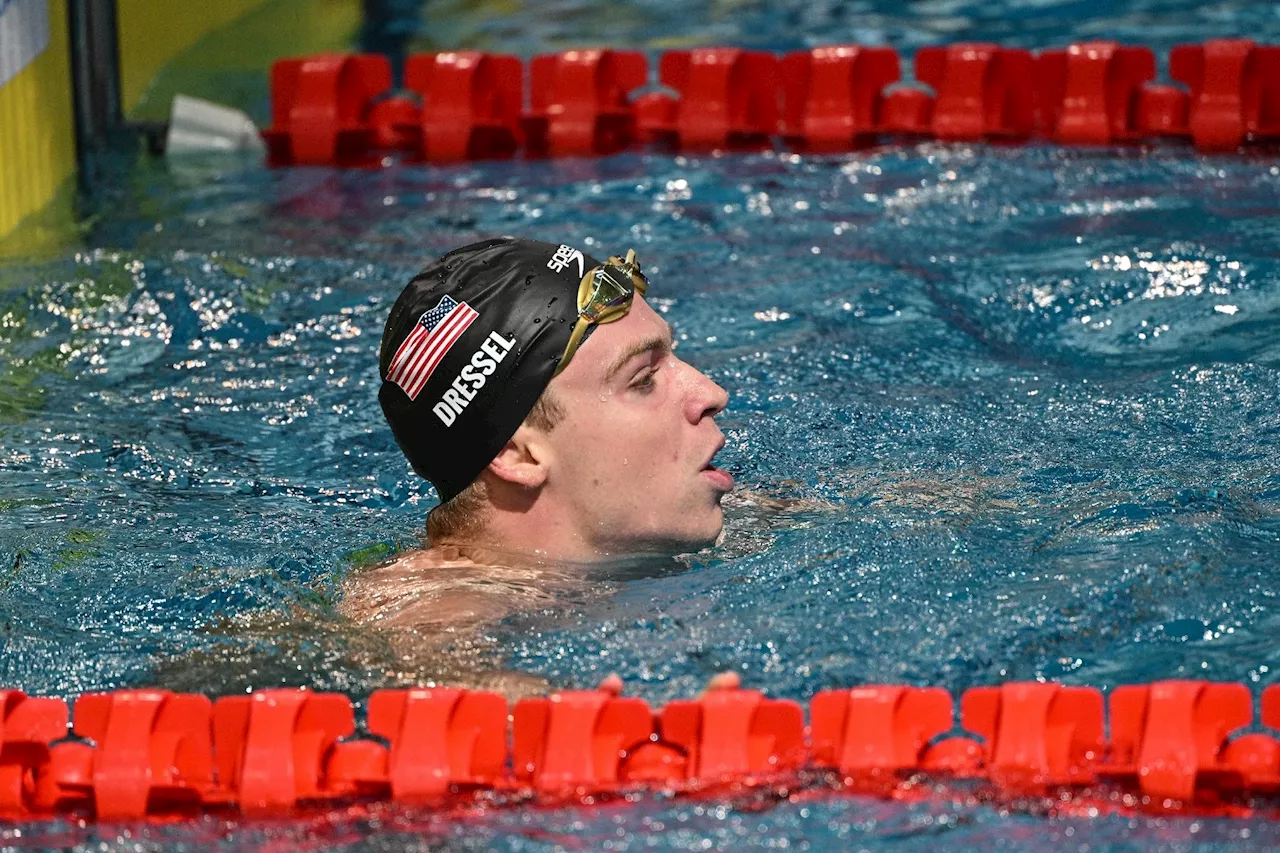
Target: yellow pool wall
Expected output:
[37,130]
[165,46]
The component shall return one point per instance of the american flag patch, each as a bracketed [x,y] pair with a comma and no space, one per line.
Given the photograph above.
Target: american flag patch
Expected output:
[436,332]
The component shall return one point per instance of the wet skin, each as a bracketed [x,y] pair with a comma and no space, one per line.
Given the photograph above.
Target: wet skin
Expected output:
[631,462]
[626,471]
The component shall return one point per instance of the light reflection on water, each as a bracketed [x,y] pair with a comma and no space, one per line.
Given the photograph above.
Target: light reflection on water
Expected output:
[1007,428]
[973,399]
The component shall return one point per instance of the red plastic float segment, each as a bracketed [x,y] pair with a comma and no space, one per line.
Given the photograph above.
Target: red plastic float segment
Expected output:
[441,738]
[1235,91]
[728,98]
[958,757]
[870,731]
[1270,716]
[983,91]
[356,768]
[832,95]
[1163,110]
[66,784]
[655,114]
[577,740]
[1168,737]
[907,110]
[471,104]
[735,733]
[1256,756]
[272,747]
[27,726]
[1089,93]
[153,752]
[393,124]
[318,108]
[580,102]
[337,110]
[1038,735]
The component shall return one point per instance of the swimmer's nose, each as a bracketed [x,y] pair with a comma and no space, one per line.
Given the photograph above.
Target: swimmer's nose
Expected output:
[707,399]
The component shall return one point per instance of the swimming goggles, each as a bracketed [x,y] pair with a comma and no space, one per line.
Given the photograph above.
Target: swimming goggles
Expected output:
[605,294]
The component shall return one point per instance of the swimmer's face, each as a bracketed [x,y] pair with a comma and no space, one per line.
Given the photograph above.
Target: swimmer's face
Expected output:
[632,456]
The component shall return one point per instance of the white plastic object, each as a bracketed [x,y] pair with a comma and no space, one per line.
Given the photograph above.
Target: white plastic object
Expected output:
[199,126]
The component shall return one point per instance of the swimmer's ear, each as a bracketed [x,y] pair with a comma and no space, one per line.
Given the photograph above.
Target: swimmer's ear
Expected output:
[522,461]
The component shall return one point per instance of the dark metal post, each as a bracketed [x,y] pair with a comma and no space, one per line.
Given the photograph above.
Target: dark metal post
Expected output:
[95,79]
[388,27]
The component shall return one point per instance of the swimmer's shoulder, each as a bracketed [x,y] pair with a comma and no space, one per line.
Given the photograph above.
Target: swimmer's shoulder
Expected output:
[370,592]
[444,587]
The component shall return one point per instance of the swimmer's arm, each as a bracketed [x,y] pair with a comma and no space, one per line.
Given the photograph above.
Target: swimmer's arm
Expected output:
[753,498]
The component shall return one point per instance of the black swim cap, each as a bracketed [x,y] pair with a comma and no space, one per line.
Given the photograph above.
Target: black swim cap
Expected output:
[469,347]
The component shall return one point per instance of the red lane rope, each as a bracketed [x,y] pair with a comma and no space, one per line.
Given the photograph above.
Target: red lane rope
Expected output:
[1170,746]
[465,105]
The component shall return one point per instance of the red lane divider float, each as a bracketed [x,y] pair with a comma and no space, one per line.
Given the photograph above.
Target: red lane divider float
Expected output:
[470,106]
[877,737]
[727,98]
[28,728]
[1185,752]
[320,109]
[1171,746]
[1090,95]
[580,102]
[1235,91]
[984,91]
[465,105]
[440,739]
[833,97]
[577,739]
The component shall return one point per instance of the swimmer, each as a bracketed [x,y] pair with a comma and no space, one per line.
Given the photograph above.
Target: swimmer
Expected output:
[540,394]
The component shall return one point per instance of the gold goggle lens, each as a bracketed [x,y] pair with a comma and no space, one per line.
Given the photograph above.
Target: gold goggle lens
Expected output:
[605,294]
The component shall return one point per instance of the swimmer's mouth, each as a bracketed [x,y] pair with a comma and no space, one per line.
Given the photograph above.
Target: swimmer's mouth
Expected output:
[711,459]
[710,464]
[720,479]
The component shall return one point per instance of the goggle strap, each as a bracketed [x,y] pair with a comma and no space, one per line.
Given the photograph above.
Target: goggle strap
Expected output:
[575,341]
[632,268]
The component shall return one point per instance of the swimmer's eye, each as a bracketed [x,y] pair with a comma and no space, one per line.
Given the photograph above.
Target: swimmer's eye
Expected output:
[644,380]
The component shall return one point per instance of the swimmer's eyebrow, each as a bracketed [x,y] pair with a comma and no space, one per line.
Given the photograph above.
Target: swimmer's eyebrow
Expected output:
[661,343]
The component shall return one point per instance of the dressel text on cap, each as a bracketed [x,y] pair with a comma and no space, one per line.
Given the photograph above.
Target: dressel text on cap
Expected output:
[472,377]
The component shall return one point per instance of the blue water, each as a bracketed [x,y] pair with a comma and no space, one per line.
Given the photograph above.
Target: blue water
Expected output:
[1015,407]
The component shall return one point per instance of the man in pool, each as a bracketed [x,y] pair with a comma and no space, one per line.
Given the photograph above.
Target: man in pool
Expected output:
[539,393]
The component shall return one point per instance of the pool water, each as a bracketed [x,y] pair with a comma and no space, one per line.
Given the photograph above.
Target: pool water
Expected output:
[997,413]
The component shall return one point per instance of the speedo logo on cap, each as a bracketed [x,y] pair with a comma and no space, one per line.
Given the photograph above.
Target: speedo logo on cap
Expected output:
[472,377]
[564,256]
[435,332]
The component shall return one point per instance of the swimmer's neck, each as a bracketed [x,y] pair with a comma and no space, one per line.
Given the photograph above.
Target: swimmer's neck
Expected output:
[483,552]
[540,528]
